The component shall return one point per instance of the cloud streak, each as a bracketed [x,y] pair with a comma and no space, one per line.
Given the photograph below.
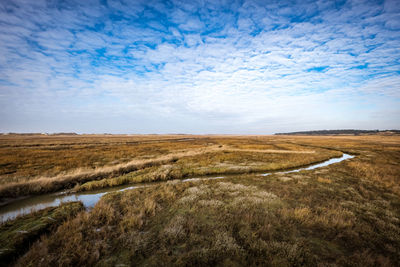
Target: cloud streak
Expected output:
[203,67]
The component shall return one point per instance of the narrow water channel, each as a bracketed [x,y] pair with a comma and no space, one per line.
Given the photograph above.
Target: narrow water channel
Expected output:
[90,198]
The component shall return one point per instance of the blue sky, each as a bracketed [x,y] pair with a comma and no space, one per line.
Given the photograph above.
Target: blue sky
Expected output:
[244,67]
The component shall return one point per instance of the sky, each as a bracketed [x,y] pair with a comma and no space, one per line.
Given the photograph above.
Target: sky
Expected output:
[217,67]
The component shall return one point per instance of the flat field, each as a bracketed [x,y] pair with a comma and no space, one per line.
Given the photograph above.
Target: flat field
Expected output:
[343,214]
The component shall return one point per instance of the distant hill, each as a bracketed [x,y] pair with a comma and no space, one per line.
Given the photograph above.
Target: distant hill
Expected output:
[343,132]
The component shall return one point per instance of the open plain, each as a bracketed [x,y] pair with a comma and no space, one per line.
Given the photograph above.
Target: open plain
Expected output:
[346,213]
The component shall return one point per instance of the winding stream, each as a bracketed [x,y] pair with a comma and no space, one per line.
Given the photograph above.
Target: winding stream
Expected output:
[90,198]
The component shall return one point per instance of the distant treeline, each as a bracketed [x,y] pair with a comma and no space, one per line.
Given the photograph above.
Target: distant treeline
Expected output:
[336,132]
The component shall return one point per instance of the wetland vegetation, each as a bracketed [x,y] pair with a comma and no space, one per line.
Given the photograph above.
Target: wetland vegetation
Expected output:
[343,214]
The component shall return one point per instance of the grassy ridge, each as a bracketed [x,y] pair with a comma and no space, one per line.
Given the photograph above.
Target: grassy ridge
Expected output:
[17,235]
[216,163]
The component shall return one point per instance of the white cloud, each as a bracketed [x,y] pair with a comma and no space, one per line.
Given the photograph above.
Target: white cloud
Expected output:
[258,68]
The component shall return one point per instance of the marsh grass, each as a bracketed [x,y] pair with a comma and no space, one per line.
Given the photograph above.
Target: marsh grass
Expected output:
[27,158]
[24,158]
[200,156]
[51,184]
[199,221]
[17,235]
[345,214]
[225,162]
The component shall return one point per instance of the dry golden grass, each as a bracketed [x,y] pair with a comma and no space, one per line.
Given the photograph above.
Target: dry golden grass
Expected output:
[196,156]
[26,158]
[225,162]
[346,214]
